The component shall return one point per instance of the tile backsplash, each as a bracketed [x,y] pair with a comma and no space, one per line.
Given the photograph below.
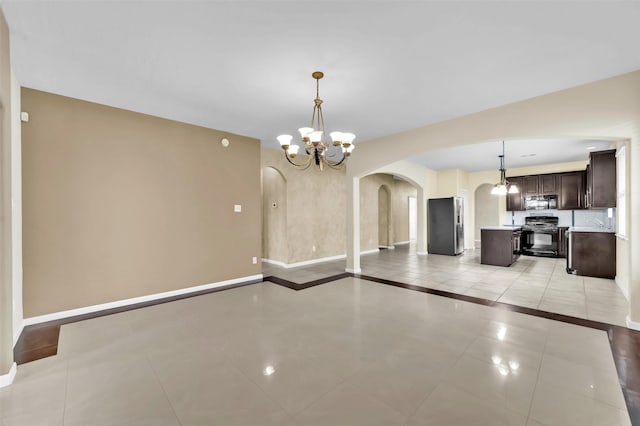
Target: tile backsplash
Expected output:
[597,218]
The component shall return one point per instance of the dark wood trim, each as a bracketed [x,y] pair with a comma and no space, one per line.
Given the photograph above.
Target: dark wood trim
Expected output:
[302,286]
[41,340]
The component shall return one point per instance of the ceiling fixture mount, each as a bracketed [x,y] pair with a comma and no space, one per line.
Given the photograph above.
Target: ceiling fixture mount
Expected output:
[322,154]
[503,187]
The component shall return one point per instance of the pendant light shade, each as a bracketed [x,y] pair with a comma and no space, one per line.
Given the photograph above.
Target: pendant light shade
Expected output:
[503,187]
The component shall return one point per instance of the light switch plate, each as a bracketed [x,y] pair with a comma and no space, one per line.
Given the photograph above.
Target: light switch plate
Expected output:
[237,208]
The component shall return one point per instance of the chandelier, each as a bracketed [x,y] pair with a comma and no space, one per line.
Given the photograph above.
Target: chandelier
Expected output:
[322,154]
[503,187]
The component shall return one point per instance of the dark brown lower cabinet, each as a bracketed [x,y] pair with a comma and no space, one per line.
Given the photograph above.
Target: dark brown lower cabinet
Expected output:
[499,247]
[592,254]
[562,241]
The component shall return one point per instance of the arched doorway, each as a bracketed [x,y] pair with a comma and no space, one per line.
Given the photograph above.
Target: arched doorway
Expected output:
[274,215]
[487,210]
[384,217]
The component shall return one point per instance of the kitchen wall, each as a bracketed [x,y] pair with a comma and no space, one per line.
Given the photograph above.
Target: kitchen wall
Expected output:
[119,204]
[588,218]
[455,182]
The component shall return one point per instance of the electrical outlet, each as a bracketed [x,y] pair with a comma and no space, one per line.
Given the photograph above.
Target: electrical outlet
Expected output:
[255,260]
[313,249]
[237,208]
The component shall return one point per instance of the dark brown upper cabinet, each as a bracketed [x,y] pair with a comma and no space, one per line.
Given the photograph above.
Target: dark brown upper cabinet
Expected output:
[548,185]
[601,180]
[571,191]
[531,185]
[514,201]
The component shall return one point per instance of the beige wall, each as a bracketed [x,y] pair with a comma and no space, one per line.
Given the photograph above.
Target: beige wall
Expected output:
[6,285]
[119,204]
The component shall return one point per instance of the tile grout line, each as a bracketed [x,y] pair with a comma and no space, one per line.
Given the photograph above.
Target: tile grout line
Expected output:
[164,391]
[66,391]
[546,342]
[257,385]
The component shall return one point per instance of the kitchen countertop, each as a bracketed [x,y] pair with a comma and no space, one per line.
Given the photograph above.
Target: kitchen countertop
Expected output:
[590,229]
[502,228]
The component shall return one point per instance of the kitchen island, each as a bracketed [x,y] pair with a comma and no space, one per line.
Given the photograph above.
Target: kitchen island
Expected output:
[500,245]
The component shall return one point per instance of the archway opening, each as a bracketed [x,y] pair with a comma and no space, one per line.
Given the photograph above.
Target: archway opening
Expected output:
[274,215]
[487,210]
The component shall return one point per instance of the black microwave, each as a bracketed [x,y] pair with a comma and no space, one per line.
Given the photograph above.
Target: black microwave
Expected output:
[540,202]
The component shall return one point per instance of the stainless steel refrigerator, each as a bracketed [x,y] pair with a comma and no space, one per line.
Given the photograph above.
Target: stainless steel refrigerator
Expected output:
[445,227]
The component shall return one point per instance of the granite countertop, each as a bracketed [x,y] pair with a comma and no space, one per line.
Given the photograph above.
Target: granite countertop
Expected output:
[502,228]
[590,229]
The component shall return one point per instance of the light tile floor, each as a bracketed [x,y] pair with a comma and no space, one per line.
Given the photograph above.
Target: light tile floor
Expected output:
[532,282]
[350,352]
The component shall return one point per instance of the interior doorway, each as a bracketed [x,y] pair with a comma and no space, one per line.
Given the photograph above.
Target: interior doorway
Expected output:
[486,210]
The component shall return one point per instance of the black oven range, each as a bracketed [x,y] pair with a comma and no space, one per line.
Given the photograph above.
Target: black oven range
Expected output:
[540,236]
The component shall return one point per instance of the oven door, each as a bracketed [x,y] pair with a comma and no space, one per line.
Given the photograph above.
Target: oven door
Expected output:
[540,242]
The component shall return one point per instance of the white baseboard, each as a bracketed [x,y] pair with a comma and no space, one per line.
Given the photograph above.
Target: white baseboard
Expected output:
[7,379]
[632,324]
[369,252]
[305,262]
[399,243]
[422,253]
[314,261]
[387,247]
[274,262]
[354,271]
[135,300]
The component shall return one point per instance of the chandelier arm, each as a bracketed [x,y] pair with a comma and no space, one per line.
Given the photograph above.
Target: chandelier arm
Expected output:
[334,164]
[334,151]
[302,166]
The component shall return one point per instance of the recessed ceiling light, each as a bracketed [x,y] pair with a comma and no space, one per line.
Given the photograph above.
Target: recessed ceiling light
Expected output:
[528,155]
[591,147]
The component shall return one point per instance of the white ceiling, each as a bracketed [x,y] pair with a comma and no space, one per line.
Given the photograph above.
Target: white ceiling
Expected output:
[245,66]
[518,153]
